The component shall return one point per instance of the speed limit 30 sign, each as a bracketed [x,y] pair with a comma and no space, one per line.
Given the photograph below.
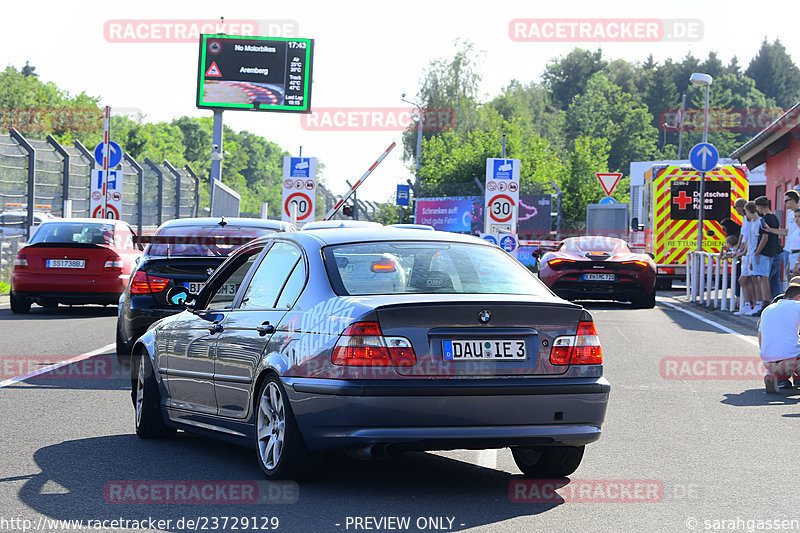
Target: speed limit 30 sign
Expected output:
[501,208]
[502,195]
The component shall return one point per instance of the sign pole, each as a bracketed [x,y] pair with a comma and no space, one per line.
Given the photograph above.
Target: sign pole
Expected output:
[703,180]
[355,186]
[216,156]
[106,147]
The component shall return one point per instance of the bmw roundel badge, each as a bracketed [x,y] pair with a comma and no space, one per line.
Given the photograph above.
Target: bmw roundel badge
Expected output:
[484,316]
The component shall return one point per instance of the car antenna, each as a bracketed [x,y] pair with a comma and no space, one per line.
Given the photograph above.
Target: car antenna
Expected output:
[222,222]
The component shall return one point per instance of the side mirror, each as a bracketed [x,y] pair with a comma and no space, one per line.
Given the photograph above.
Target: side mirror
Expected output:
[138,259]
[178,295]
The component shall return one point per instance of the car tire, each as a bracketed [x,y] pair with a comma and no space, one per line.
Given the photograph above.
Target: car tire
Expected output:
[280,450]
[645,301]
[124,350]
[147,403]
[19,305]
[548,461]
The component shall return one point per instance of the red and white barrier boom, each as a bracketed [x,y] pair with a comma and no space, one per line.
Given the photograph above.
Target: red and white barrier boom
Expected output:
[359,182]
[106,148]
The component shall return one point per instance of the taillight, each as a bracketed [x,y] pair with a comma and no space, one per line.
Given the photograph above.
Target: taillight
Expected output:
[666,270]
[144,284]
[559,263]
[158,284]
[113,262]
[583,348]
[637,265]
[587,346]
[363,344]
[20,262]
[139,283]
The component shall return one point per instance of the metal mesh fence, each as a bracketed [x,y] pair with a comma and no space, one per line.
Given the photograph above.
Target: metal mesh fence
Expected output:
[13,173]
[80,172]
[166,193]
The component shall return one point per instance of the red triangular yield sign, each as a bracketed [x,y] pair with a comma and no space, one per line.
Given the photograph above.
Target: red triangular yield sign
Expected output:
[213,71]
[608,180]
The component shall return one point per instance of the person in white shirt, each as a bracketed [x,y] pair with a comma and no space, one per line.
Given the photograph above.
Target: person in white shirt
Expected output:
[779,340]
[751,287]
[791,199]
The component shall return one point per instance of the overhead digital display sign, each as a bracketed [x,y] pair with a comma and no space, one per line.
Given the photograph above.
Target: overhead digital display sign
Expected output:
[255,73]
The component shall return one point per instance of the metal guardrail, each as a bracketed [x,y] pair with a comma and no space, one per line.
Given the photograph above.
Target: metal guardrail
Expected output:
[711,280]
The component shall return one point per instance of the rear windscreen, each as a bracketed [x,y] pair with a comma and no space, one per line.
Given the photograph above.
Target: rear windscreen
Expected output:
[427,267]
[203,241]
[74,233]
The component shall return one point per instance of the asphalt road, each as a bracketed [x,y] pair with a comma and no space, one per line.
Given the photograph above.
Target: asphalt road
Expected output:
[714,449]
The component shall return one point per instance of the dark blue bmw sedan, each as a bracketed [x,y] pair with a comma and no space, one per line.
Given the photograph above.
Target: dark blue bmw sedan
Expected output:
[375,341]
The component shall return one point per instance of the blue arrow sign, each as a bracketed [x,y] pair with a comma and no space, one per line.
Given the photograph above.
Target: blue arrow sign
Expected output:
[704,157]
[608,200]
[114,154]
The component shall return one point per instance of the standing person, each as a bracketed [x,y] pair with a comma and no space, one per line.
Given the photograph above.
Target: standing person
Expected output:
[779,344]
[790,199]
[772,248]
[737,254]
[748,242]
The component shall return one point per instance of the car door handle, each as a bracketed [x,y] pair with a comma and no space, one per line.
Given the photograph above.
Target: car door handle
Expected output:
[265,329]
[216,327]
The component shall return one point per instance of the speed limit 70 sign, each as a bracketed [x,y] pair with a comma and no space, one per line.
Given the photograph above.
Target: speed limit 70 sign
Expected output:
[299,188]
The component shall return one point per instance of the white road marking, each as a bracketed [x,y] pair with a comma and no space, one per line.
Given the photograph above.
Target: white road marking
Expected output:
[54,366]
[745,338]
[487,459]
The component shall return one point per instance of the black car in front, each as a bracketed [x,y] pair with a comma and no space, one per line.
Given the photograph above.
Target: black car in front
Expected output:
[182,252]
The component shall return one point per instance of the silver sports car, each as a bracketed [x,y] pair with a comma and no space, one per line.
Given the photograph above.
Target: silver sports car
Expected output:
[375,341]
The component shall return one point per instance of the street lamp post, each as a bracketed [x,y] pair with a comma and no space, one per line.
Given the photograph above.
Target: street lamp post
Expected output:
[419,128]
[703,80]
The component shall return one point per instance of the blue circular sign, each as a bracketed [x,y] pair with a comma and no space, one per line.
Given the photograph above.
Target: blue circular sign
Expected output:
[114,154]
[490,238]
[704,157]
[508,243]
[608,200]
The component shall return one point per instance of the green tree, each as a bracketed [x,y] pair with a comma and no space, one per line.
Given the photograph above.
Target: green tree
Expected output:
[532,105]
[775,74]
[449,84]
[579,183]
[605,111]
[568,76]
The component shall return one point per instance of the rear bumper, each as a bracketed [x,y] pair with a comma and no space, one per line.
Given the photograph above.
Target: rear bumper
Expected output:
[42,284]
[104,298]
[449,413]
[598,290]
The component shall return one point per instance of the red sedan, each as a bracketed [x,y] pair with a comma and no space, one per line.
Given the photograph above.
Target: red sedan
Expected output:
[600,268]
[74,261]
